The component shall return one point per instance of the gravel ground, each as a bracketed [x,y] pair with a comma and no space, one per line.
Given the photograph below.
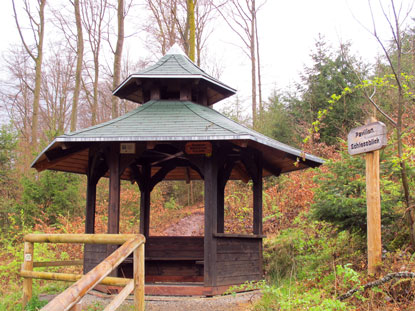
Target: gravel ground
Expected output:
[237,302]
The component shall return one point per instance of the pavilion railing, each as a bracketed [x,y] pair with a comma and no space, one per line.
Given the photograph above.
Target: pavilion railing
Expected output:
[84,283]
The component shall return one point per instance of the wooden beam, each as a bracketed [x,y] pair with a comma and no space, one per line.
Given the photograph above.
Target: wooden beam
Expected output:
[211,209]
[185,92]
[74,293]
[169,157]
[155,92]
[60,152]
[223,177]
[196,162]
[137,176]
[97,168]
[276,171]
[145,201]
[91,192]
[46,164]
[241,171]
[139,278]
[125,162]
[114,188]
[159,176]
[113,159]
[119,299]
[374,240]
[70,277]
[27,266]
[188,179]
[257,189]
[102,238]
[57,263]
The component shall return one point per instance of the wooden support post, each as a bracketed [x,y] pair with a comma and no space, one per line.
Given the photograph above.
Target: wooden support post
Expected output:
[211,209]
[91,194]
[221,209]
[257,189]
[139,278]
[145,196]
[114,195]
[114,189]
[374,240]
[27,265]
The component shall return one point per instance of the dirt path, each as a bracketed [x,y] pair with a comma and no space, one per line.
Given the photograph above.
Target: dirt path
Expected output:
[237,302]
[190,225]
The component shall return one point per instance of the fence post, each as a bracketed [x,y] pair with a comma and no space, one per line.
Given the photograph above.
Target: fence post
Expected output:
[27,265]
[139,283]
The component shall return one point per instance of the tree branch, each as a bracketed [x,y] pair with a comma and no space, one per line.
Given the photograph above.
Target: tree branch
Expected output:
[385,279]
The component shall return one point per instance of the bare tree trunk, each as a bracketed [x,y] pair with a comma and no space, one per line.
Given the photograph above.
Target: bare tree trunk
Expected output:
[191,23]
[253,64]
[79,61]
[118,56]
[38,29]
[261,108]
[93,19]
[241,17]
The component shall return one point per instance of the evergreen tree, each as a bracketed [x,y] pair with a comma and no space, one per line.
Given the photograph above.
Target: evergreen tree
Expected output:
[277,121]
[329,74]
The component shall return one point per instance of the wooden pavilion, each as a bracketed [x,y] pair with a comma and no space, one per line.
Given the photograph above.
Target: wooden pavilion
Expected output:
[175,135]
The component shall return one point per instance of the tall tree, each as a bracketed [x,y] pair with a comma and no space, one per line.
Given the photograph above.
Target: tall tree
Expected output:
[17,91]
[69,23]
[79,61]
[192,28]
[185,22]
[57,87]
[93,17]
[162,25]
[118,55]
[331,71]
[241,18]
[37,27]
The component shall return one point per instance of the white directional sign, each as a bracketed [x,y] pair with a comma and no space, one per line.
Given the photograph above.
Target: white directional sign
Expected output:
[367,138]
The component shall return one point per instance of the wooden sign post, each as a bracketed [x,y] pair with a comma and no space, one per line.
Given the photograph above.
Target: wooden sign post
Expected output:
[369,139]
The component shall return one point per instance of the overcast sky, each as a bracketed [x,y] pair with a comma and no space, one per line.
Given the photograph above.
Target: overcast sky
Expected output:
[288,30]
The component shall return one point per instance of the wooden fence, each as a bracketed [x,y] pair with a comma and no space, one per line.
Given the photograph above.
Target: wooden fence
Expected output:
[84,283]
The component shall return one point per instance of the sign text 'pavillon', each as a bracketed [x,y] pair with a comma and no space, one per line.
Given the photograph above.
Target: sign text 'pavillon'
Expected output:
[367,138]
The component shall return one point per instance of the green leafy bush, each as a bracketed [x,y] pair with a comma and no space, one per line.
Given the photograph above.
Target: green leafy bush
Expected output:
[307,251]
[340,197]
[52,194]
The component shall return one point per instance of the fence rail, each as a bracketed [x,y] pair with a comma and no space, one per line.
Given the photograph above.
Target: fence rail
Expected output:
[84,283]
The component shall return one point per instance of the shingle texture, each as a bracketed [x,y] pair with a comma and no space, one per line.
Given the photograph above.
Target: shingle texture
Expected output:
[163,120]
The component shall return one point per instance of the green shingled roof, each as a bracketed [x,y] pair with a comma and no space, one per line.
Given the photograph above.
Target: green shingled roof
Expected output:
[174,65]
[168,120]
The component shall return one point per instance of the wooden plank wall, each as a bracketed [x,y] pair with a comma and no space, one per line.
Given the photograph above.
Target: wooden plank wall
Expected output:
[238,260]
[174,259]
[171,259]
[184,247]
[93,255]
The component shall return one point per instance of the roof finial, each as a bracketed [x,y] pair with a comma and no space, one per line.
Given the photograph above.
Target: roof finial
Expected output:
[175,49]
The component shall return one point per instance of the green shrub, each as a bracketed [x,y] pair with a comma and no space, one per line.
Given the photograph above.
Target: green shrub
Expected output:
[341,194]
[298,298]
[308,250]
[49,196]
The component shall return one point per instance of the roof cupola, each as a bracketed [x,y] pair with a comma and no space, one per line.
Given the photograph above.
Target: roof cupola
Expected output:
[173,77]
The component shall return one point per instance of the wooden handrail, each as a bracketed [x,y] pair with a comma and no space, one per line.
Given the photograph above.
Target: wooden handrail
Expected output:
[83,238]
[67,299]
